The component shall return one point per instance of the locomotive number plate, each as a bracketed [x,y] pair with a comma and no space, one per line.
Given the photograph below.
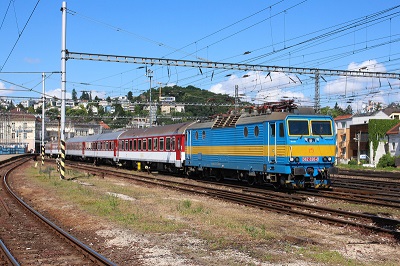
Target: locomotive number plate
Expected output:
[310,159]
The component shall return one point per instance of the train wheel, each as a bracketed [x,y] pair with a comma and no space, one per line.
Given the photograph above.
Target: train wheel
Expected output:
[219,176]
[251,180]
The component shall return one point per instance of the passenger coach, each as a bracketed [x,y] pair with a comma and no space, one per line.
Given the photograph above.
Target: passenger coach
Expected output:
[157,148]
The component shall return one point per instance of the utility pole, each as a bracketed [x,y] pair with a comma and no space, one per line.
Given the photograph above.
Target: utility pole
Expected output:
[63,85]
[150,75]
[43,102]
[358,139]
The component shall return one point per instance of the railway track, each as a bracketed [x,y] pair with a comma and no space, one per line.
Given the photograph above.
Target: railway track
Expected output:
[368,173]
[28,238]
[266,202]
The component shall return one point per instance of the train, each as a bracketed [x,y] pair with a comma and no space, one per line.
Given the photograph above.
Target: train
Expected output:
[290,149]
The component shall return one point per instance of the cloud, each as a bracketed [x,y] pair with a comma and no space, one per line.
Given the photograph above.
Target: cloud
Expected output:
[257,86]
[32,60]
[57,93]
[356,91]
[4,90]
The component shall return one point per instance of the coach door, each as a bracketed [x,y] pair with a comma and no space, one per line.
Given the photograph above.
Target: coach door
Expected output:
[178,148]
[115,148]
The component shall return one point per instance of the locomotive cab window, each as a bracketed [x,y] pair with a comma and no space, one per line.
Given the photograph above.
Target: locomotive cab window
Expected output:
[272,130]
[321,128]
[281,130]
[298,127]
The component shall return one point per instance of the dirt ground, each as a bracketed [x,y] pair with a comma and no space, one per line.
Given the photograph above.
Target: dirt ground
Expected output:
[294,241]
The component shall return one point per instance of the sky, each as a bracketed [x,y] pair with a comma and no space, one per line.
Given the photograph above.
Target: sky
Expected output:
[360,35]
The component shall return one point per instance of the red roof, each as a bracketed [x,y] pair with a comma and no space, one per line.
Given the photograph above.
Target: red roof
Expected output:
[342,117]
[104,125]
[394,130]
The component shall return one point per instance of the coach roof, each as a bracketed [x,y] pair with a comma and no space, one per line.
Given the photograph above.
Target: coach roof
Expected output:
[166,130]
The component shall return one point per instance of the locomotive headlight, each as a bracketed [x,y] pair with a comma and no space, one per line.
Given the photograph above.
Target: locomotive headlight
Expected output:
[325,159]
[291,159]
[297,159]
[329,159]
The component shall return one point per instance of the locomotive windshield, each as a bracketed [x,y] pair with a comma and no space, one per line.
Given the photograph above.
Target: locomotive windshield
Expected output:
[298,127]
[321,128]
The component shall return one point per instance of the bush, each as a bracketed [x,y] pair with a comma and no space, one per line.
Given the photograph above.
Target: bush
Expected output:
[352,162]
[386,161]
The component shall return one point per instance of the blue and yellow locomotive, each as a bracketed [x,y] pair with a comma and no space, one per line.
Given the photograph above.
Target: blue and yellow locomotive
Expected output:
[286,149]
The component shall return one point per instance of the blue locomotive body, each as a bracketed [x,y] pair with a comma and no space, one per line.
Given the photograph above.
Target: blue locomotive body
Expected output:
[285,149]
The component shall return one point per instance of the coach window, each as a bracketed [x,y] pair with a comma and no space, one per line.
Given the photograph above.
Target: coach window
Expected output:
[167,143]
[149,141]
[281,130]
[106,145]
[161,144]
[112,145]
[139,144]
[144,145]
[173,143]
[246,132]
[134,145]
[203,134]
[126,145]
[197,135]
[256,131]
[155,144]
[130,144]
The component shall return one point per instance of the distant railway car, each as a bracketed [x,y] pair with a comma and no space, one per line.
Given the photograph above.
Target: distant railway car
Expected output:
[51,149]
[102,147]
[157,148]
[282,148]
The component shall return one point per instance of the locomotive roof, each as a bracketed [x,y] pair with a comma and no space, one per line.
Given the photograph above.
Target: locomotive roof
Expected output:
[156,131]
[246,119]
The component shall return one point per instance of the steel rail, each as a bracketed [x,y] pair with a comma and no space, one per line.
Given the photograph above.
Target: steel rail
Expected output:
[93,255]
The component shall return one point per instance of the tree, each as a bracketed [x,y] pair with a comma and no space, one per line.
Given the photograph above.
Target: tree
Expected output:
[130,96]
[85,96]
[74,95]
[349,110]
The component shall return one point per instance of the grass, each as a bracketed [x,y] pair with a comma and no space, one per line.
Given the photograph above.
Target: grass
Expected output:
[220,225]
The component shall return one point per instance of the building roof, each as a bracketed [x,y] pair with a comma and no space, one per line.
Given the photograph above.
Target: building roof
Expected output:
[391,110]
[17,115]
[394,130]
[104,125]
[343,117]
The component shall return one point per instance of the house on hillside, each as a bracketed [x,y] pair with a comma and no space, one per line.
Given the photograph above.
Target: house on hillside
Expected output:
[350,129]
[393,143]
[18,128]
